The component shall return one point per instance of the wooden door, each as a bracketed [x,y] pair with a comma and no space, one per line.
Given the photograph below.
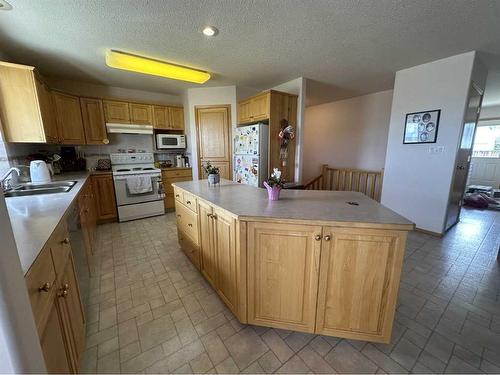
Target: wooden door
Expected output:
[259,107]
[104,192]
[207,246]
[244,112]
[53,343]
[224,170]
[93,121]
[283,268]
[161,117]
[117,112]
[47,112]
[176,118]
[225,251]
[69,119]
[141,114]
[213,127]
[359,280]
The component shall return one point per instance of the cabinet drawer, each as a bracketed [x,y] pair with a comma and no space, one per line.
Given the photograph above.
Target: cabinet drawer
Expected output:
[190,249]
[40,281]
[190,201]
[168,173]
[60,249]
[187,222]
[178,194]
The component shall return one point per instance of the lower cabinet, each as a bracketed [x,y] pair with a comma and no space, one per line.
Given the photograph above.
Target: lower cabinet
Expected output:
[359,278]
[104,193]
[283,271]
[55,300]
[207,248]
[169,176]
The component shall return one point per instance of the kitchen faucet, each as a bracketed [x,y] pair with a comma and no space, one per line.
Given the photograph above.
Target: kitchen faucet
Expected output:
[6,184]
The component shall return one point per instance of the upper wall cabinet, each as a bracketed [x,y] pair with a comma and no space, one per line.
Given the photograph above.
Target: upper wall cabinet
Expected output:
[93,121]
[168,118]
[117,112]
[69,119]
[26,111]
[141,114]
[254,109]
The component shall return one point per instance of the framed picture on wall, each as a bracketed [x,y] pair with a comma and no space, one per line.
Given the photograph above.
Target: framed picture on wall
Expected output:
[421,127]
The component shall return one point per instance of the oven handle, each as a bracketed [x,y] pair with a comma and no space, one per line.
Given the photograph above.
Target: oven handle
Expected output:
[124,178]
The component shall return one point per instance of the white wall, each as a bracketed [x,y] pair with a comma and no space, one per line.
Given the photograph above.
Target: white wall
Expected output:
[20,350]
[417,182]
[89,89]
[298,87]
[205,96]
[349,133]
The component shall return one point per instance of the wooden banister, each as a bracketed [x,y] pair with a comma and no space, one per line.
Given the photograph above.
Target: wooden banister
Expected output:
[348,179]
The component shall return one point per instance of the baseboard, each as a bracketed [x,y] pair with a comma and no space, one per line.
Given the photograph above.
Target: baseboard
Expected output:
[429,232]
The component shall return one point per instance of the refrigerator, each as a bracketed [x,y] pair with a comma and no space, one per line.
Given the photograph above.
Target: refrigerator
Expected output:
[250,149]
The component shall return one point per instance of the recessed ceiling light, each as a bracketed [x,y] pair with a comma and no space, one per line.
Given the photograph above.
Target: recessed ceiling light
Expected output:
[210,31]
[5,5]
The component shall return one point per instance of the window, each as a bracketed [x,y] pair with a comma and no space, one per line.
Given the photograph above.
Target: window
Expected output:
[487,142]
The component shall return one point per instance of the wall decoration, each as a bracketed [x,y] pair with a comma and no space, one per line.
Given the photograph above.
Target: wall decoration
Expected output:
[421,127]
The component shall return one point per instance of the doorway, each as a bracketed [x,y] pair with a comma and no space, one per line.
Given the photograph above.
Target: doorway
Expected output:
[213,132]
[463,158]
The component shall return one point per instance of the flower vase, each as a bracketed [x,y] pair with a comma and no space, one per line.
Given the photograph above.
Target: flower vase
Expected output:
[272,192]
[213,179]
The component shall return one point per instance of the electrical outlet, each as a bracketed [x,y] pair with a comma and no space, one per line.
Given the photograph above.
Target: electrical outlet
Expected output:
[436,149]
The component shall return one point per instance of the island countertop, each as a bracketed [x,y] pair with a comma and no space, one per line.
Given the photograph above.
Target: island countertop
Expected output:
[323,207]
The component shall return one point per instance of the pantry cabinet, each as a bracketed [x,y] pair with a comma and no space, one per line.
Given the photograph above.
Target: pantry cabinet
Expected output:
[69,119]
[93,121]
[283,271]
[104,197]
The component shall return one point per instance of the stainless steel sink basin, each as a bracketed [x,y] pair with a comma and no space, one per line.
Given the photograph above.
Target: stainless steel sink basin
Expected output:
[37,189]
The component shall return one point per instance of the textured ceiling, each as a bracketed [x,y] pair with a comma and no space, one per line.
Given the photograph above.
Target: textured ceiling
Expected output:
[346,47]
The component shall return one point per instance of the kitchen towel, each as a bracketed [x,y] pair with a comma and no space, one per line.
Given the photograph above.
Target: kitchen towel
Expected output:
[139,184]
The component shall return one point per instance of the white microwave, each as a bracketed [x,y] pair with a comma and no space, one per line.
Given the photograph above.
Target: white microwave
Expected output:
[166,141]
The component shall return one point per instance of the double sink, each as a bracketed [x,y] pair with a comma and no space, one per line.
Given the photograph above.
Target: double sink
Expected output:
[36,189]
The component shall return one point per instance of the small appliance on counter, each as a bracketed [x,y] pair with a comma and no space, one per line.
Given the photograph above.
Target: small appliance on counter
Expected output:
[180,161]
[39,172]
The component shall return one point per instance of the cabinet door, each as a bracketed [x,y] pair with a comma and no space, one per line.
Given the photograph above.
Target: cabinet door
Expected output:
[244,112]
[207,248]
[225,250]
[359,280]
[224,170]
[283,268]
[47,112]
[69,119]
[73,317]
[53,343]
[115,111]
[161,117]
[176,118]
[93,121]
[259,107]
[104,192]
[141,114]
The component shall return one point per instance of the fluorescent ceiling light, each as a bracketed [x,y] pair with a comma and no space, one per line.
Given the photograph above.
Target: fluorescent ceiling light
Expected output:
[210,31]
[139,64]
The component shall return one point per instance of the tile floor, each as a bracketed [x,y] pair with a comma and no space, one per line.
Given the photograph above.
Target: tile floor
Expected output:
[150,311]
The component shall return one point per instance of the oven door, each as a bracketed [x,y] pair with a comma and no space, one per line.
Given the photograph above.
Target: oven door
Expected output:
[165,141]
[124,197]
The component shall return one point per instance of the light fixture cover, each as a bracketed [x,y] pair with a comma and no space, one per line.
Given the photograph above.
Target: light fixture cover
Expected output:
[134,63]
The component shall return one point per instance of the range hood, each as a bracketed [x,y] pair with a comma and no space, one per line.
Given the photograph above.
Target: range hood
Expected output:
[129,128]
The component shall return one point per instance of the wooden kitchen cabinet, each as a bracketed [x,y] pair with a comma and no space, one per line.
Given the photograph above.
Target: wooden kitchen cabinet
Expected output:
[283,271]
[176,118]
[256,108]
[93,121]
[161,118]
[116,111]
[26,111]
[104,197]
[244,112]
[207,247]
[169,176]
[141,114]
[357,282]
[69,119]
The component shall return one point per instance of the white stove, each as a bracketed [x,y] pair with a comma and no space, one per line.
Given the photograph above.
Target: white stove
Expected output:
[133,170]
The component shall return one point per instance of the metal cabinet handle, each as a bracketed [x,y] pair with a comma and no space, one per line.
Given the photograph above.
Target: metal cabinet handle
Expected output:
[190,225]
[209,215]
[177,195]
[45,287]
[178,215]
[317,237]
[188,202]
[66,241]
[214,217]
[328,237]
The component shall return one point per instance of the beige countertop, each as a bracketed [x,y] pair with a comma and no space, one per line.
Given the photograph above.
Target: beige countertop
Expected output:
[35,217]
[322,207]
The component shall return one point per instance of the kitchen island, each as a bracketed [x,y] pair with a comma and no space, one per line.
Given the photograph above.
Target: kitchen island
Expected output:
[315,261]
